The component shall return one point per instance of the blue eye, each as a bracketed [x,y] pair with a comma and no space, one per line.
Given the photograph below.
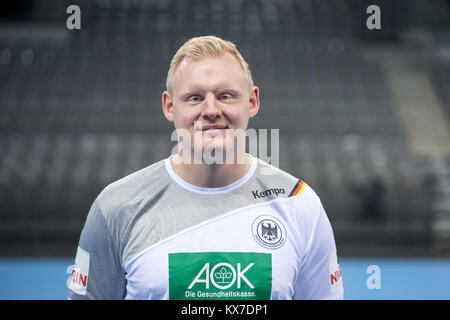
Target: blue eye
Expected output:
[225,96]
[194,98]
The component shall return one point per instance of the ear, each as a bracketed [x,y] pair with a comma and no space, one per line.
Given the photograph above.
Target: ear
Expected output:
[167,105]
[254,102]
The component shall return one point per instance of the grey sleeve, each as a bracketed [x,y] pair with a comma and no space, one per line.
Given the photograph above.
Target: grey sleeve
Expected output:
[97,272]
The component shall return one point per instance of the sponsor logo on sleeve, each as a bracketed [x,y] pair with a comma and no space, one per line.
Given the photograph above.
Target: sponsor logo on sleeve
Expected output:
[220,275]
[335,273]
[79,279]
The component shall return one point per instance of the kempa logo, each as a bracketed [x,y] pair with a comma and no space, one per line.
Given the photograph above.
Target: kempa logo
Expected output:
[220,275]
[268,192]
[269,232]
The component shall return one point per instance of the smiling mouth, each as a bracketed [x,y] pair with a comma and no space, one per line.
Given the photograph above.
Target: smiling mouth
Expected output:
[207,128]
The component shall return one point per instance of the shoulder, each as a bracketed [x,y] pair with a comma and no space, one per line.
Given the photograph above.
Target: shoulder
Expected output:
[306,196]
[269,177]
[132,187]
[292,186]
[308,214]
[305,201]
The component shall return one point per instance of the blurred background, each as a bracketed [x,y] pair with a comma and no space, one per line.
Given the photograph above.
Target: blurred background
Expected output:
[364,118]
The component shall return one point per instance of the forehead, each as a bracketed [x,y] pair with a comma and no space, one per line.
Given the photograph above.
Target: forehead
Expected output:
[208,72]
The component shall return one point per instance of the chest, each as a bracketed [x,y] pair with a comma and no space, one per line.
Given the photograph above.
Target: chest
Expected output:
[250,254]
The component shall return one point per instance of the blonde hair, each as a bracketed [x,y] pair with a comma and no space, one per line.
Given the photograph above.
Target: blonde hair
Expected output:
[206,46]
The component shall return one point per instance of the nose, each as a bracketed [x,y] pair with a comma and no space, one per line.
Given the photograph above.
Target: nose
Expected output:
[211,110]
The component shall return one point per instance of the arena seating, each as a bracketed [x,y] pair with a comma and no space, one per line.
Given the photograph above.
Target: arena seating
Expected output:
[80,109]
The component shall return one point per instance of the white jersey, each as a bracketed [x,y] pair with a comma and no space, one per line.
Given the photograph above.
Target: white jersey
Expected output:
[152,235]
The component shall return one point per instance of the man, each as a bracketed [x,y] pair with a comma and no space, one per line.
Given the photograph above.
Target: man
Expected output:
[189,227]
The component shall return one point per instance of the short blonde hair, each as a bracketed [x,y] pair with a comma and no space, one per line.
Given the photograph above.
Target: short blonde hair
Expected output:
[206,46]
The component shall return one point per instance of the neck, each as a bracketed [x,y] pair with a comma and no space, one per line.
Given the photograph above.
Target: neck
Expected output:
[210,175]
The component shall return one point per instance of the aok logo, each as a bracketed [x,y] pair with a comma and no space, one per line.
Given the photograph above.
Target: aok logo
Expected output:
[222,276]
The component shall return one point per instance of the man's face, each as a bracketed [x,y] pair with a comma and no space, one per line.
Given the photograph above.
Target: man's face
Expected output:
[210,98]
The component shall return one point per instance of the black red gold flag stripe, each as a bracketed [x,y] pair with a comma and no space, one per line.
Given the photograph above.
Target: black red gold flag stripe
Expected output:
[298,188]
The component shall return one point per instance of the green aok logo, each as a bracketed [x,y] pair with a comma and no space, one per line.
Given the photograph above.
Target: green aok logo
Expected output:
[220,275]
